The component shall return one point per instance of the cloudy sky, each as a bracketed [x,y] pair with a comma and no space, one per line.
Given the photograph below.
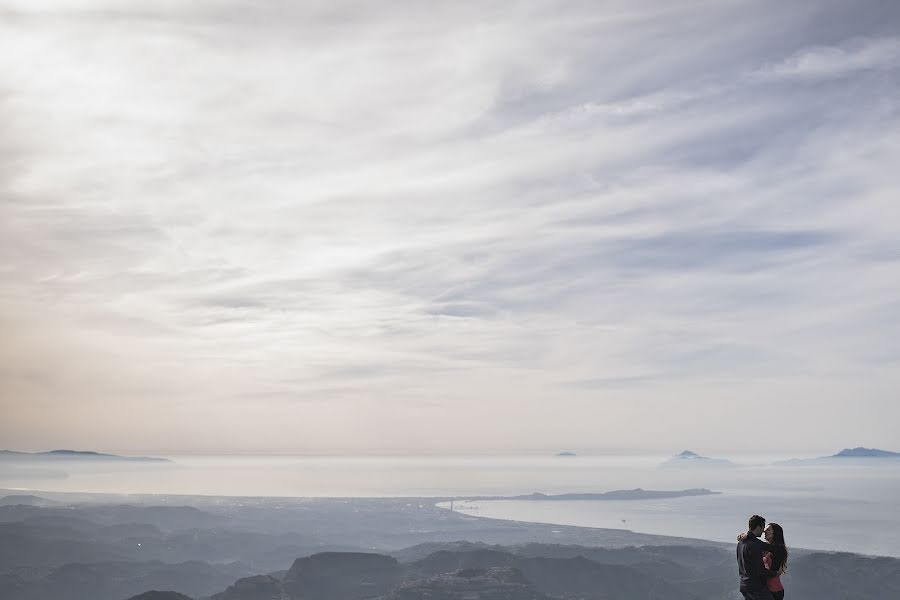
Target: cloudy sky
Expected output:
[234,226]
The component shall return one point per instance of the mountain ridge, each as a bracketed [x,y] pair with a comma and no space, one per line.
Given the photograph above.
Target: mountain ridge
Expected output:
[689,458]
[857,456]
[64,454]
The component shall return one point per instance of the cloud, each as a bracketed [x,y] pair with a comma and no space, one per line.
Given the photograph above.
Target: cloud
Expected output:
[306,225]
[879,54]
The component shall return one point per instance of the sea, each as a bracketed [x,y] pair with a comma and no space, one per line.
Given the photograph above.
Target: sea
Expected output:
[853,508]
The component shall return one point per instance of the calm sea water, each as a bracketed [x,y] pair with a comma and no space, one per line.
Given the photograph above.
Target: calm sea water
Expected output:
[851,509]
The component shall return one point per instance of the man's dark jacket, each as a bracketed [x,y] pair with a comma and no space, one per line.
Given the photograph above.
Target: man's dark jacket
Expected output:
[750,563]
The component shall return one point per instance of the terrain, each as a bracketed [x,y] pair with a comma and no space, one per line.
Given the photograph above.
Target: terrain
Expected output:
[83,547]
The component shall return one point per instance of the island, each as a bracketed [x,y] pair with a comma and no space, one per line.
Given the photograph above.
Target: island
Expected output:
[861,452]
[689,458]
[848,456]
[74,455]
[635,494]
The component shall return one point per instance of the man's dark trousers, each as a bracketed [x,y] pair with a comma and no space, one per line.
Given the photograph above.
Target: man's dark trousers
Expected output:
[756,594]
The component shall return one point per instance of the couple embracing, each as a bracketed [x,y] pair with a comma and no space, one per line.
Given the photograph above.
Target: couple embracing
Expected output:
[761,564]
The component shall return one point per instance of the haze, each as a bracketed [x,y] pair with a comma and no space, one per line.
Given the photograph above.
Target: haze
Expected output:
[330,227]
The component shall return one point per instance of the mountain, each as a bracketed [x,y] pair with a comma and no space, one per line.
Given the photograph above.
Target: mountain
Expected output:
[692,459]
[566,453]
[341,576]
[861,452]
[420,551]
[574,576]
[535,572]
[854,456]
[526,572]
[258,587]
[73,455]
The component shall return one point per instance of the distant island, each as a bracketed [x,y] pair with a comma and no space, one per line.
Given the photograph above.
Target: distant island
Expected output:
[858,455]
[566,453]
[635,494]
[861,452]
[690,458]
[73,455]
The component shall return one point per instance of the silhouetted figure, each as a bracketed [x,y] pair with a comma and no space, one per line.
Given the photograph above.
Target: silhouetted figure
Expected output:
[750,550]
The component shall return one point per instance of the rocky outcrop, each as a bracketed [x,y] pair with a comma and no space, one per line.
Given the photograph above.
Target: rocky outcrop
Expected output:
[497,583]
[342,576]
[258,587]
[155,595]
[555,577]
[445,561]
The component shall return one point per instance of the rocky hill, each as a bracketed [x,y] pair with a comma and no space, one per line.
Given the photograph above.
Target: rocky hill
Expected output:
[342,575]
[850,456]
[155,595]
[507,574]
[258,587]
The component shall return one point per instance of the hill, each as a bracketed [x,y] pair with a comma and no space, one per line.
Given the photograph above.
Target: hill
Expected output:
[849,456]
[861,452]
[689,458]
[74,455]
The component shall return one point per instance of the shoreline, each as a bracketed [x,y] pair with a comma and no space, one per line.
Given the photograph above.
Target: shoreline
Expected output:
[528,530]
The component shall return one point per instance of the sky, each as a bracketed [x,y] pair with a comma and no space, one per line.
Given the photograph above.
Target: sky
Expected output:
[316,227]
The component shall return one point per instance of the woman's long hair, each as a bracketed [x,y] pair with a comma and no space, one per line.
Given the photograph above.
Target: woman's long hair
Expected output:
[781,547]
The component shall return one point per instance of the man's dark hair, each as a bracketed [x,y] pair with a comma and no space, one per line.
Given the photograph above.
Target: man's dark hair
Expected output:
[756,521]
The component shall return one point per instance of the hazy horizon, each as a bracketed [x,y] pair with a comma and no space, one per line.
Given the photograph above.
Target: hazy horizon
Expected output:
[285,228]
[763,454]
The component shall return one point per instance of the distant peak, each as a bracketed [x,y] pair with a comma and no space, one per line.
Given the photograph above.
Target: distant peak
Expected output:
[691,458]
[864,452]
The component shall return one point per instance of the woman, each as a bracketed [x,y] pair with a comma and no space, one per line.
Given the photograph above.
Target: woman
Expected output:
[775,558]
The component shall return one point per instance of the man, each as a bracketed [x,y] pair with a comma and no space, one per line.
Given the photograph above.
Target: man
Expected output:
[750,562]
